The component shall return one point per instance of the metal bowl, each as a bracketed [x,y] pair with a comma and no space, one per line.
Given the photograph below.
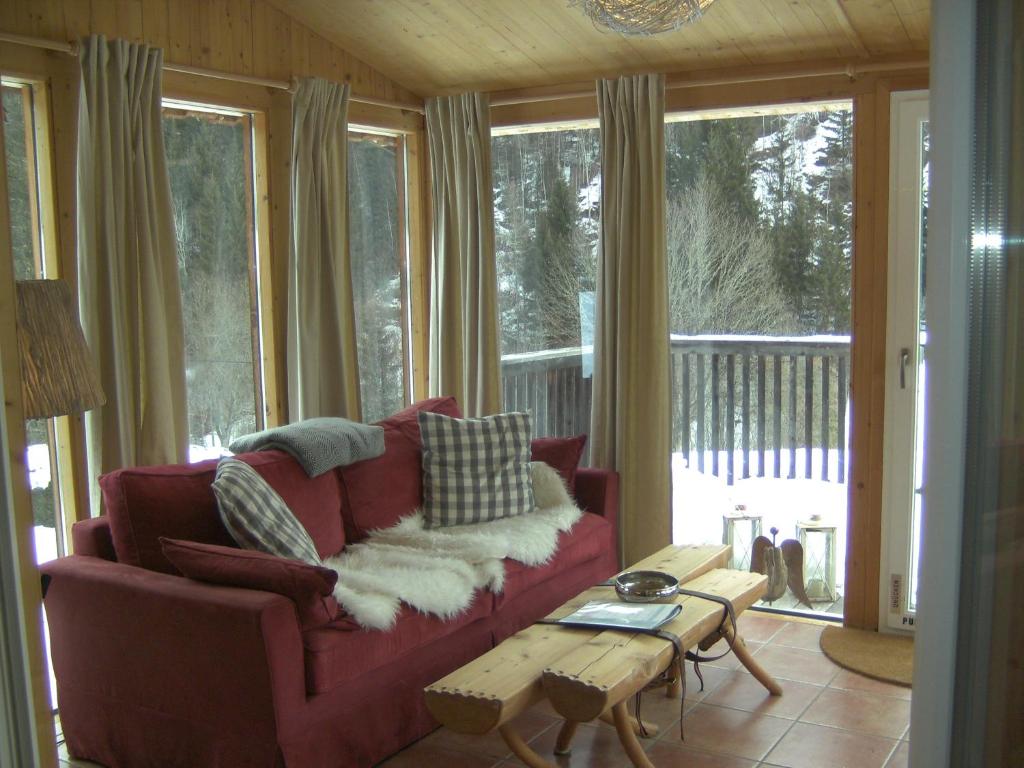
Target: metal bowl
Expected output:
[645,586]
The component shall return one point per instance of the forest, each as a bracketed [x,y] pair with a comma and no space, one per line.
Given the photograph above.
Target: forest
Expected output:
[758,227]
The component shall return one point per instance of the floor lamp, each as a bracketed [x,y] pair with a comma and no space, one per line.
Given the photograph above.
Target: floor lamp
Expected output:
[58,377]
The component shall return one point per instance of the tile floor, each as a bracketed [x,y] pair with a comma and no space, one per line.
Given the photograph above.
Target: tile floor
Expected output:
[827,717]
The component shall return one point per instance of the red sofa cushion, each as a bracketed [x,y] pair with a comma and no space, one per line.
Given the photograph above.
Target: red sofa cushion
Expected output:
[379,491]
[310,587]
[177,502]
[589,539]
[562,453]
[341,651]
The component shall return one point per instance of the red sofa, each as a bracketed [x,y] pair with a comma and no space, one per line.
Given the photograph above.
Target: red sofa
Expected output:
[154,669]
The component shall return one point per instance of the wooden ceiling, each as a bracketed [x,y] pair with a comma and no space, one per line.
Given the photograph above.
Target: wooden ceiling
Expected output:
[447,46]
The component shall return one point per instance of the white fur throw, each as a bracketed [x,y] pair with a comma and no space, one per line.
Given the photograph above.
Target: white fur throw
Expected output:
[438,570]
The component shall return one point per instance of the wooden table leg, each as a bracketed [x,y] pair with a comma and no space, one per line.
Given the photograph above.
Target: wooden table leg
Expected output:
[628,738]
[563,745]
[759,672]
[521,749]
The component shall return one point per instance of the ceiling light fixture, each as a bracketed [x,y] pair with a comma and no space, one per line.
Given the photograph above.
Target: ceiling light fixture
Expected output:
[642,17]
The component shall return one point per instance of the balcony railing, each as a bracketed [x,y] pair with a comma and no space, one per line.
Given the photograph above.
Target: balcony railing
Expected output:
[742,406]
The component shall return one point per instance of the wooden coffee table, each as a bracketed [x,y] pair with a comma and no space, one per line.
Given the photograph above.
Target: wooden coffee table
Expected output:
[591,674]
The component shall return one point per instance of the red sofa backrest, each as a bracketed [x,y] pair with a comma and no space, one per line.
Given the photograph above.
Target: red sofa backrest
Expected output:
[376,493]
[176,501]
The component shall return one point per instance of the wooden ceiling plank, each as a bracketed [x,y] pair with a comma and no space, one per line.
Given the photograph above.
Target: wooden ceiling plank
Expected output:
[437,46]
[880,26]
[916,18]
[520,41]
[819,36]
[848,27]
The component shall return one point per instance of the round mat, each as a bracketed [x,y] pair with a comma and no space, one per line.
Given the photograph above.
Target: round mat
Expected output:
[884,657]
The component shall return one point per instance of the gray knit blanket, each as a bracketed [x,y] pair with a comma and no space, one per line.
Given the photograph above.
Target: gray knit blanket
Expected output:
[317,444]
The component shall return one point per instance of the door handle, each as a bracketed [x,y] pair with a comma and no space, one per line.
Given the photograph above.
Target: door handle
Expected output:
[904,360]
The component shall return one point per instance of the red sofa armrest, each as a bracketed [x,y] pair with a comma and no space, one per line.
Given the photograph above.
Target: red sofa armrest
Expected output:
[597,491]
[210,658]
[92,537]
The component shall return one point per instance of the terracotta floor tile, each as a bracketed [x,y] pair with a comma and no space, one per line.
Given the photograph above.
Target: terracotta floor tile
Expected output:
[742,691]
[859,711]
[815,746]
[758,627]
[592,747]
[901,757]
[424,753]
[728,661]
[796,664]
[671,754]
[713,677]
[732,732]
[659,709]
[529,725]
[851,681]
[799,635]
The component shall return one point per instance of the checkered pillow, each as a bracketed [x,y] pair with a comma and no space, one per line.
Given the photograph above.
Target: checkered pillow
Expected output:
[257,517]
[475,469]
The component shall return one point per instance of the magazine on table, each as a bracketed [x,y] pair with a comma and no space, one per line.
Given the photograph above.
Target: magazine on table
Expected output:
[625,615]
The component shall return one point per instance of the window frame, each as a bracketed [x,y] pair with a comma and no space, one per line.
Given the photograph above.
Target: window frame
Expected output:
[46,249]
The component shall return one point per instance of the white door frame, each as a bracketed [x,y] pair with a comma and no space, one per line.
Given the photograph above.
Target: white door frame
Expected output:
[909,109]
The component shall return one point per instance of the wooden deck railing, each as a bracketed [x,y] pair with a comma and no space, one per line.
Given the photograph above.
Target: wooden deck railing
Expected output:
[742,406]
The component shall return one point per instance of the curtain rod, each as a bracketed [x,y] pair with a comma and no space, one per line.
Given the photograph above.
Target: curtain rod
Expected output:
[284,85]
[679,81]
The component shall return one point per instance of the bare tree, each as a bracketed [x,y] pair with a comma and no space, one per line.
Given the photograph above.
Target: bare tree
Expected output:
[721,277]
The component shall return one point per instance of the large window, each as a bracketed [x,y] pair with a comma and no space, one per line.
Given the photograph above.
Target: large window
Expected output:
[31,256]
[210,163]
[546,212]
[377,243]
[759,243]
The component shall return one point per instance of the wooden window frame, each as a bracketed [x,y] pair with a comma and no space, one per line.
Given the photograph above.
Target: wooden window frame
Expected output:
[36,100]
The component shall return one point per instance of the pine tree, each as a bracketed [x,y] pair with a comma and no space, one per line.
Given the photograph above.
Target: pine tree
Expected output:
[833,191]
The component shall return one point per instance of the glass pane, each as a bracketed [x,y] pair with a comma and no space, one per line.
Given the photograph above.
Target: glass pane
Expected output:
[19,184]
[547,188]
[915,520]
[209,159]
[759,243]
[376,243]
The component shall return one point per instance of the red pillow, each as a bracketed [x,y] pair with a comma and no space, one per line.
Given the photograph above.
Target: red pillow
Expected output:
[378,492]
[562,453]
[308,586]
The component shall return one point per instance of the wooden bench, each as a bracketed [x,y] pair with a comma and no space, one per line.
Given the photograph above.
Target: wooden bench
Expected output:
[588,674]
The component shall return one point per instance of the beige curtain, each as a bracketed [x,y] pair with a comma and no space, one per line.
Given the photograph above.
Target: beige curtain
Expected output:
[631,417]
[323,369]
[129,297]
[464,356]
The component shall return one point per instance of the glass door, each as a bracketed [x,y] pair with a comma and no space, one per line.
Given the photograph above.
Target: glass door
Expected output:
[906,364]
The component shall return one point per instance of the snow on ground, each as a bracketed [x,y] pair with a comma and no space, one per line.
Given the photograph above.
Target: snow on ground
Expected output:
[700,499]
[39,465]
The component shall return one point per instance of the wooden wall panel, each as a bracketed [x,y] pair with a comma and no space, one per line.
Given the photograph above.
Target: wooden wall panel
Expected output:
[249,37]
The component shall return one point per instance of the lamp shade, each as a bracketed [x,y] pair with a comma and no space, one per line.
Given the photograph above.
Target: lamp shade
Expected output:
[57,373]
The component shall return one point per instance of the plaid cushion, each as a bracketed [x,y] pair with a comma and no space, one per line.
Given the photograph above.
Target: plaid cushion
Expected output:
[257,517]
[475,469]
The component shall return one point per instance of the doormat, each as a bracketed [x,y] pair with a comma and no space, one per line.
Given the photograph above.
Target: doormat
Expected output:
[889,658]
